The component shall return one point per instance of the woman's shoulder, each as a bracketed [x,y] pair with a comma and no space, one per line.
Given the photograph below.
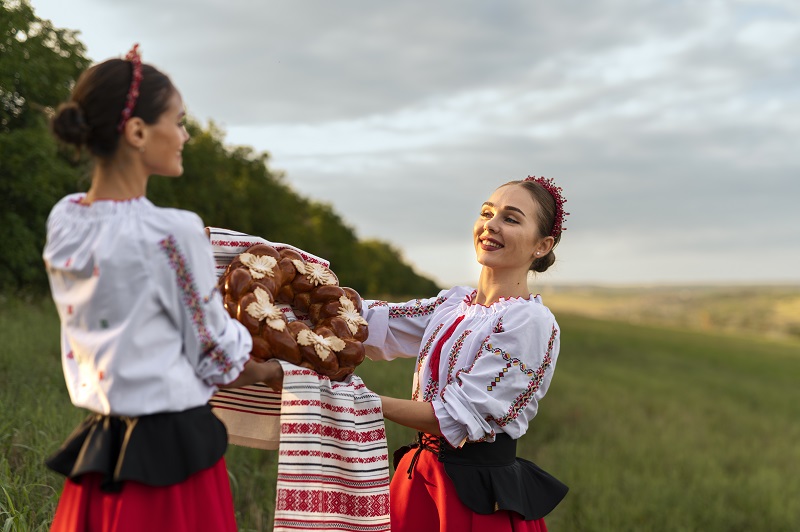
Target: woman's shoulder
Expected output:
[524,311]
[179,219]
[67,207]
[177,230]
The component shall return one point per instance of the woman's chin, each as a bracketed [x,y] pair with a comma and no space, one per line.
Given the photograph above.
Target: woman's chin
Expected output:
[175,171]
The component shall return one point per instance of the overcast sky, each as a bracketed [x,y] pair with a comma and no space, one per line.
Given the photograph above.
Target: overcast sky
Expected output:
[673,126]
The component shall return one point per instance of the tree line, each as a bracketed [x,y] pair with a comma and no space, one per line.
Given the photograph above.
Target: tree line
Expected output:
[228,187]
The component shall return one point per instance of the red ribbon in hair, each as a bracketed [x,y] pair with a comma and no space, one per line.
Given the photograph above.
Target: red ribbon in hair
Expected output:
[549,185]
[133,92]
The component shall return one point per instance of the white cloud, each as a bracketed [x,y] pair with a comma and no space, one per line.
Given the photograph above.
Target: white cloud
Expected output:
[670,125]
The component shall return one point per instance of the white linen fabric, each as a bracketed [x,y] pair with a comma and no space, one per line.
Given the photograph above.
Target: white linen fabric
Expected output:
[227,245]
[143,328]
[493,369]
[333,465]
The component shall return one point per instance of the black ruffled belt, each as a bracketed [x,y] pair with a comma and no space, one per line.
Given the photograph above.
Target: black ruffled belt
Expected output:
[488,476]
[157,450]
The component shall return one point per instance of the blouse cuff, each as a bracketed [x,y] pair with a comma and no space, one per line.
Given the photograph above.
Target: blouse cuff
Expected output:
[458,418]
[454,432]
[221,364]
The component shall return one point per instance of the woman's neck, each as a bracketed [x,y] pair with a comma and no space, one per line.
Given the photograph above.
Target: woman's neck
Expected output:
[494,285]
[117,179]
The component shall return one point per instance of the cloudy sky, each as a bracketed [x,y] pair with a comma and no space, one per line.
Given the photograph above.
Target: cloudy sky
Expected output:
[673,126]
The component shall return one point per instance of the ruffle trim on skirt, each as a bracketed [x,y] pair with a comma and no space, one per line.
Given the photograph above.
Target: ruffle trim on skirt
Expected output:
[488,476]
[156,450]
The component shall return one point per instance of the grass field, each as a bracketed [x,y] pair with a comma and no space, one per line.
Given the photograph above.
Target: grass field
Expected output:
[653,428]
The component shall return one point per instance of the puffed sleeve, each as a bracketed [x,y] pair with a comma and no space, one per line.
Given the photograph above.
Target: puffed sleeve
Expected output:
[509,376]
[397,329]
[216,345]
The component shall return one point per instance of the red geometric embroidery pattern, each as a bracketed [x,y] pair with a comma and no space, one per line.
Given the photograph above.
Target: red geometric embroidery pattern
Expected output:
[307,478]
[490,435]
[418,309]
[498,328]
[423,355]
[470,297]
[193,301]
[332,432]
[536,377]
[430,390]
[496,380]
[453,358]
[335,456]
[333,502]
[249,243]
[333,408]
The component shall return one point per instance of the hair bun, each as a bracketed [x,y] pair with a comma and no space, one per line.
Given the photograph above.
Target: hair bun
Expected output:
[541,264]
[69,124]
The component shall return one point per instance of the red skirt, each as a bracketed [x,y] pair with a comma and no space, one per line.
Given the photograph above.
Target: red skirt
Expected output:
[201,502]
[428,501]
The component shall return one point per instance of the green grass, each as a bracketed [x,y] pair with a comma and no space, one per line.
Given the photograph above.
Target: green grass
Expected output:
[663,429]
[653,428]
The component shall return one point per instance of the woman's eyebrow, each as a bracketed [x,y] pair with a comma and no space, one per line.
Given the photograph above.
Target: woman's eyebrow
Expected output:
[507,207]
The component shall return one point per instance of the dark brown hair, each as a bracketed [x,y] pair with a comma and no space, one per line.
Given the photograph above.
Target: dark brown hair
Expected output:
[545,221]
[91,115]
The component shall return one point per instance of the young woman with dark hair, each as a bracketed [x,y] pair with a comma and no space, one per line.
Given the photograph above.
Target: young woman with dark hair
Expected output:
[145,338]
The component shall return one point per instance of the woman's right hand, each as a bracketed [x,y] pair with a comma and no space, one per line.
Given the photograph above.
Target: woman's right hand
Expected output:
[274,378]
[269,372]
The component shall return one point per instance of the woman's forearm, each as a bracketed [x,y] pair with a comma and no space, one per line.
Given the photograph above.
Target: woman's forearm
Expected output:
[269,373]
[414,414]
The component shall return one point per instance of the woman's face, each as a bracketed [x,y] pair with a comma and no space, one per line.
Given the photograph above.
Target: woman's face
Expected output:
[505,234]
[163,149]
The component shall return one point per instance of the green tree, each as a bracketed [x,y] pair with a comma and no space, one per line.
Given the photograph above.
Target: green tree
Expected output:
[227,187]
[38,65]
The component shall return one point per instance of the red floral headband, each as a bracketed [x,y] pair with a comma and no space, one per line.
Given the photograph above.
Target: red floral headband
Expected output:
[133,92]
[550,186]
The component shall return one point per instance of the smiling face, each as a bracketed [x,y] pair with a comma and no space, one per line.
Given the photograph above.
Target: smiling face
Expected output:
[164,140]
[506,235]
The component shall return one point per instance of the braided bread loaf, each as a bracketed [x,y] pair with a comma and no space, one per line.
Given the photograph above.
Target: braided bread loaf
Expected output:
[295,310]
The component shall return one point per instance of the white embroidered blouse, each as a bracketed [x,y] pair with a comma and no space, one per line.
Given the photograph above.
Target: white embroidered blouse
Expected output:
[143,329]
[495,364]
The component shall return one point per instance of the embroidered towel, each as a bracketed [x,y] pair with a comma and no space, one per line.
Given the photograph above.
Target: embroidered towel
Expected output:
[333,467]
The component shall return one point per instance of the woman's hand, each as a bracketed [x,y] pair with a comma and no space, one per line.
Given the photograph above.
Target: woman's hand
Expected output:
[274,378]
[269,372]
[414,414]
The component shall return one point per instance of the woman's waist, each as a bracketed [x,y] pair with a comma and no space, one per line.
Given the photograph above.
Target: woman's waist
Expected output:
[141,397]
[500,452]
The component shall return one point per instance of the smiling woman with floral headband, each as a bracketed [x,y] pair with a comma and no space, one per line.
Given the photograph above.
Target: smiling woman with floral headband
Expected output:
[485,358]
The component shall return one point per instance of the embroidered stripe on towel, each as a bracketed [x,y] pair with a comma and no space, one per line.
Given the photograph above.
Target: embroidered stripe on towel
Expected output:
[333,468]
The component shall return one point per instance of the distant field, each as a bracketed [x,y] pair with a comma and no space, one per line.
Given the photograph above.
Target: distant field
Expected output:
[653,428]
[772,311]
